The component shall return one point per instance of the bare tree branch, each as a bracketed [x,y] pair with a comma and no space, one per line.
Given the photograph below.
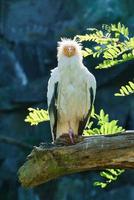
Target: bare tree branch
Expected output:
[94,152]
[9,140]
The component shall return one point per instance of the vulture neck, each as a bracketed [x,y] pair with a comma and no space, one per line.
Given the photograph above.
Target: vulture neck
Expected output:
[71,64]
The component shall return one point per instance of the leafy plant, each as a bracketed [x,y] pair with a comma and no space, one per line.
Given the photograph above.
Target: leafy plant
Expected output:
[126,90]
[109,175]
[102,125]
[114,45]
[36,116]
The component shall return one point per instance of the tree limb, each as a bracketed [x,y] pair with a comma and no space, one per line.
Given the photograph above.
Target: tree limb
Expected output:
[9,140]
[94,152]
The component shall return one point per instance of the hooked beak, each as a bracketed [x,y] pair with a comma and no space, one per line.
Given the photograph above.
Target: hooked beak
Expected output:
[70,51]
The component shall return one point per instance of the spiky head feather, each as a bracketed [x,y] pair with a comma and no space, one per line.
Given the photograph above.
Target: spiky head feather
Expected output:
[68,42]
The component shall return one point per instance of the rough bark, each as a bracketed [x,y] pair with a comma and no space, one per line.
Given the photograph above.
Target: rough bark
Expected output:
[92,153]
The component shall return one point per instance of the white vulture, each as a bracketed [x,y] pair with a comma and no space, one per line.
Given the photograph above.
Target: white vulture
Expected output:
[71,91]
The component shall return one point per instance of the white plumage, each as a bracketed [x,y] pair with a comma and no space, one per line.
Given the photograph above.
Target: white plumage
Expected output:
[71,91]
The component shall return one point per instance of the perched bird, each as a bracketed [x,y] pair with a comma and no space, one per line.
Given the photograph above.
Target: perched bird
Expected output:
[71,91]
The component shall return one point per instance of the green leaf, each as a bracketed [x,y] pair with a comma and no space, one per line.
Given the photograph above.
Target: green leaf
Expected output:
[100,184]
[108,44]
[104,125]
[126,90]
[109,175]
[36,116]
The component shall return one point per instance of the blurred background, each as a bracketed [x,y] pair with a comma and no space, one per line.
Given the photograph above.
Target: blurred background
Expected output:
[29,31]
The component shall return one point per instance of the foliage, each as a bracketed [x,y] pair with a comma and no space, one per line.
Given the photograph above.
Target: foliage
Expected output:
[126,90]
[109,175]
[102,125]
[112,43]
[105,126]
[114,46]
[36,116]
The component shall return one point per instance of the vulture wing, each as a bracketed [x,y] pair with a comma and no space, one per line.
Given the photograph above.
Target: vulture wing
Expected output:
[52,95]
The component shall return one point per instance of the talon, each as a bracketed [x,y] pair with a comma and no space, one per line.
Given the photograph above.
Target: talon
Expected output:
[71,135]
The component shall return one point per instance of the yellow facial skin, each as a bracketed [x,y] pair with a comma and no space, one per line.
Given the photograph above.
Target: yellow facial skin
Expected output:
[69,51]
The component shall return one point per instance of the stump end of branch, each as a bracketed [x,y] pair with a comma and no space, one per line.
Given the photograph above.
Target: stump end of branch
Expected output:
[48,162]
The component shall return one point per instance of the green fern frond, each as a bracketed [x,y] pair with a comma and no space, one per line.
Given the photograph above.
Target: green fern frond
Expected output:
[109,175]
[112,52]
[36,116]
[112,62]
[130,42]
[108,44]
[127,56]
[86,52]
[110,128]
[102,117]
[98,37]
[126,90]
[117,29]
[107,64]
[105,126]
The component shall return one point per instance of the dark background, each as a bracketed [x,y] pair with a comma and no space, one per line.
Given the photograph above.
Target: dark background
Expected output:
[29,31]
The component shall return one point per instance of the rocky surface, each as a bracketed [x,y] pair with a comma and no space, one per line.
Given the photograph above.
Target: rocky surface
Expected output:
[29,31]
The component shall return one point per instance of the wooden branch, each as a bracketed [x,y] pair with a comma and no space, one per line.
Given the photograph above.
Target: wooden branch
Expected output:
[93,153]
[9,140]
